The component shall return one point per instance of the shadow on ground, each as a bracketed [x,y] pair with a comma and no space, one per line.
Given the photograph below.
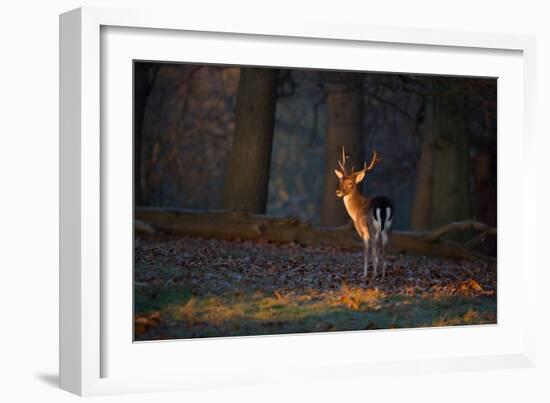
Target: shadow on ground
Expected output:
[49,379]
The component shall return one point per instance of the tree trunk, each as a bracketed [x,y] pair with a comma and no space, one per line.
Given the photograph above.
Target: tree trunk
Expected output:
[344,128]
[451,158]
[486,197]
[421,210]
[247,176]
[144,74]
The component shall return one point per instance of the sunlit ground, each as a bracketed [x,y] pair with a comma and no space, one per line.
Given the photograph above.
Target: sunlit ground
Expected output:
[203,288]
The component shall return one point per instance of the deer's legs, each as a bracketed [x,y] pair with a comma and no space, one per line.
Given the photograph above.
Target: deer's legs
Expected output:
[384,248]
[365,258]
[375,256]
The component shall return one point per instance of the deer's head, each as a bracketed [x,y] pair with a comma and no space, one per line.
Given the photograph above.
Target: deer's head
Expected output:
[350,180]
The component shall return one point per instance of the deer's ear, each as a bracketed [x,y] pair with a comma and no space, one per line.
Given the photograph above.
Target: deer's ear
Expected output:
[339,174]
[360,176]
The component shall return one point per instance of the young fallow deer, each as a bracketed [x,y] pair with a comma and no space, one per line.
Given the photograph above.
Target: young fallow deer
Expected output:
[372,217]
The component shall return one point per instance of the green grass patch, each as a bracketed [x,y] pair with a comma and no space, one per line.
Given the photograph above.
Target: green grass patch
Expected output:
[184,315]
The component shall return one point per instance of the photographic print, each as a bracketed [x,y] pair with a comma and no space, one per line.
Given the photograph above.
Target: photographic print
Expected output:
[272,200]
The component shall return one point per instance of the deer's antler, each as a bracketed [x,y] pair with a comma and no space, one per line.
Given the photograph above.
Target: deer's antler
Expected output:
[373,162]
[366,168]
[343,162]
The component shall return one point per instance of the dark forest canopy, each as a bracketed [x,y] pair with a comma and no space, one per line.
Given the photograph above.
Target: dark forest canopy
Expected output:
[436,137]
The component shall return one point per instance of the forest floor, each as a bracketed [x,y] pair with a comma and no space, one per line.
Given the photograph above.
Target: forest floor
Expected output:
[189,287]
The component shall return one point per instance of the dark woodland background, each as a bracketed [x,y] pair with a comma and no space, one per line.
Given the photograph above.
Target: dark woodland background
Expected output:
[230,162]
[436,137]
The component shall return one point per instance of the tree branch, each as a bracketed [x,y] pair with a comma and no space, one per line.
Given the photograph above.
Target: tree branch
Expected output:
[436,234]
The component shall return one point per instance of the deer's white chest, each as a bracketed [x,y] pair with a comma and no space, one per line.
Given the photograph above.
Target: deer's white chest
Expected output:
[347,203]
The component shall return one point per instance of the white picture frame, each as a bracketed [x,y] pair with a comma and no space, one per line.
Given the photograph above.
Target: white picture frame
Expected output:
[89,326]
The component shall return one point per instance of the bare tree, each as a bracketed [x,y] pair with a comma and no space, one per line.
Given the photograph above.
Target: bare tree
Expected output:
[451,153]
[247,177]
[421,210]
[442,192]
[344,97]
[144,78]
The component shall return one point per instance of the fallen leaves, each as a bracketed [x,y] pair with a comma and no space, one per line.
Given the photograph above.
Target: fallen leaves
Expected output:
[278,295]
[216,267]
[409,291]
[142,323]
[470,316]
[350,302]
[470,288]
[360,299]
[223,279]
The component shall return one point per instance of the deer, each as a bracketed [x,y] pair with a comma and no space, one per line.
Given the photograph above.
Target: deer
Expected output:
[372,217]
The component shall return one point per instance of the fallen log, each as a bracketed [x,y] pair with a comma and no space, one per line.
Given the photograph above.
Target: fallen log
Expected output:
[229,225]
[141,227]
[226,224]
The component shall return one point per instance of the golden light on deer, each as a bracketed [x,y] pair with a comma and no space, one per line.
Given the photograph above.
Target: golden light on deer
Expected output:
[372,217]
